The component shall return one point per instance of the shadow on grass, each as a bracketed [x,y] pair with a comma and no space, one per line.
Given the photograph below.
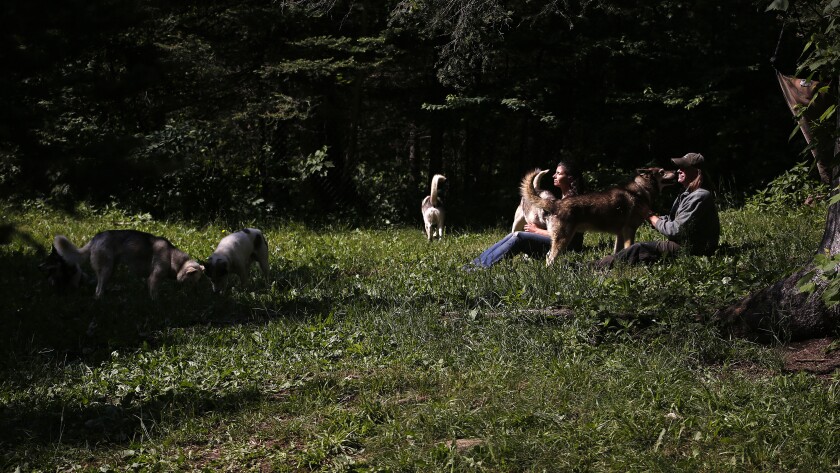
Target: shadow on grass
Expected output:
[43,332]
[41,326]
[99,423]
[33,308]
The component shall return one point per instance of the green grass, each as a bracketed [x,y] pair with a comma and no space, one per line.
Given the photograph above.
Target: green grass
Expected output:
[369,350]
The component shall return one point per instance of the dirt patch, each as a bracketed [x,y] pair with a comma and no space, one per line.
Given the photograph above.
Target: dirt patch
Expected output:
[816,356]
[752,371]
[462,445]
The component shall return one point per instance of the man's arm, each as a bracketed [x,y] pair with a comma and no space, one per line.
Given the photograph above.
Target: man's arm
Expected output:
[674,228]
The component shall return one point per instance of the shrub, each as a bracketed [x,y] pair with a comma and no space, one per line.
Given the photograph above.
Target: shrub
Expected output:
[793,188]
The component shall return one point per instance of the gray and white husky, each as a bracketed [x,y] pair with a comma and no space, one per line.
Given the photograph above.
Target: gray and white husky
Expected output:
[528,212]
[432,209]
[149,256]
[235,254]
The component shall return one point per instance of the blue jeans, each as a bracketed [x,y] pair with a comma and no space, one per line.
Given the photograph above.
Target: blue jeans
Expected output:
[532,244]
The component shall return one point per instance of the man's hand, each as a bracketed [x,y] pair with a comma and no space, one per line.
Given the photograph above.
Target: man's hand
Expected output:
[651,217]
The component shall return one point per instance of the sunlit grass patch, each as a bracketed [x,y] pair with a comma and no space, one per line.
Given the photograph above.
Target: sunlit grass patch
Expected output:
[370,350]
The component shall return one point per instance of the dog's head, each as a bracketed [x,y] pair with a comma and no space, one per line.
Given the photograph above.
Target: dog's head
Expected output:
[216,268]
[60,274]
[660,177]
[190,272]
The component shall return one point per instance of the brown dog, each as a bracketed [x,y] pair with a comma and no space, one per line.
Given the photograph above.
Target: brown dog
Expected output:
[619,210]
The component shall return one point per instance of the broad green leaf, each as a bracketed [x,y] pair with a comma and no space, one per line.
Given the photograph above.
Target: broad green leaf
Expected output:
[825,263]
[820,259]
[831,296]
[828,113]
[804,281]
[809,288]
[829,267]
[816,64]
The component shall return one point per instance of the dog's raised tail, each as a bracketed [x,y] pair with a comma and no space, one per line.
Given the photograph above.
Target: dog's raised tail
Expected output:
[436,180]
[538,175]
[69,252]
[529,189]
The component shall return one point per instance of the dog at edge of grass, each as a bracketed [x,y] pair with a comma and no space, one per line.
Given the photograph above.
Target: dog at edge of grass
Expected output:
[147,255]
[528,212]
[234,255]
[61,275]
[619,210]
[432,209]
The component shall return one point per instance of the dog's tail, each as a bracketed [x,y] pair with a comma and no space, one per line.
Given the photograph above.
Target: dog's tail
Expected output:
[259,241]
[68,251]
[436,180]
[537,178]
[529,190]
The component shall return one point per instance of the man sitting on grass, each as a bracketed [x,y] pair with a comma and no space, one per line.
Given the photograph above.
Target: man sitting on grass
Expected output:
[692,226]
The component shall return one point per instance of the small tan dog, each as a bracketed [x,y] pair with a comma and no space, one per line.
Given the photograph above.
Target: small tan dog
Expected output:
[432,209]
[528,212]
[619,210]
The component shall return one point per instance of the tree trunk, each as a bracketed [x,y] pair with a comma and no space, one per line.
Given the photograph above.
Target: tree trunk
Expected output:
[781,311]
[413,163]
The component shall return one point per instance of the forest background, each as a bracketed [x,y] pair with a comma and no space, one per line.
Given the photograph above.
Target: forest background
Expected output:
[366,349]
[343,110]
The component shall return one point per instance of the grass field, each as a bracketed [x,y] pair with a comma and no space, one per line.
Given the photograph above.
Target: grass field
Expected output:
[370,350]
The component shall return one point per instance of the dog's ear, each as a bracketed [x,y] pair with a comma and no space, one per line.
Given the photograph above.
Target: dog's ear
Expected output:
[192,273]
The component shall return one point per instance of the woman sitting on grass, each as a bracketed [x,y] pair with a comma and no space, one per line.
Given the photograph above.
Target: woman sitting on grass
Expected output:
[534,241]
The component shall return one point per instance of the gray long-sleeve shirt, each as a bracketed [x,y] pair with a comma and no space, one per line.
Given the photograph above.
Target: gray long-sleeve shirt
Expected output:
[693,222]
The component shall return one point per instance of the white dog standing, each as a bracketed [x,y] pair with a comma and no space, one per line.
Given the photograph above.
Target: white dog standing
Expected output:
[432,209]
[234,255]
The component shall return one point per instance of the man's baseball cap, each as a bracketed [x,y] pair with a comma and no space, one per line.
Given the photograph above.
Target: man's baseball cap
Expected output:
[689,160]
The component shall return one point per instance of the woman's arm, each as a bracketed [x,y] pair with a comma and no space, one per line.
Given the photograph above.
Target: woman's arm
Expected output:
[535,229]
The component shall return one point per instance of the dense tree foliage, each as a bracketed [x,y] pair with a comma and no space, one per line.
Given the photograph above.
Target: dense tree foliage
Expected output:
[245,108]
